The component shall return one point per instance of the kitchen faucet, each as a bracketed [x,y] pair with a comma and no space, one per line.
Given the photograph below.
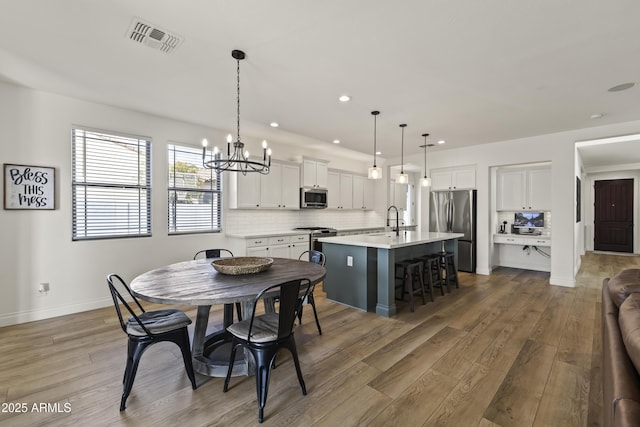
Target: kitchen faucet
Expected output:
[397,230]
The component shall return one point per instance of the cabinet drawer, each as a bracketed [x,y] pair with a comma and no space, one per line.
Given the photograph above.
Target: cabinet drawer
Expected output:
[262,241]
[508,240]
[279,240]
[301,238]
[541,242]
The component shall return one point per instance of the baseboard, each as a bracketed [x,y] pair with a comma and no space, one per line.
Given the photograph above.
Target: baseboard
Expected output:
[47,313]
[483,271]
[558,281]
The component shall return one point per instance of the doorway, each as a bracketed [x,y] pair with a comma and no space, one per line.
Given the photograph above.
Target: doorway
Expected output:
[613,215]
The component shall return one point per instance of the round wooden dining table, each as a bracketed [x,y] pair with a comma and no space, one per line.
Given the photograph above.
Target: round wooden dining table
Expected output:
[196,283]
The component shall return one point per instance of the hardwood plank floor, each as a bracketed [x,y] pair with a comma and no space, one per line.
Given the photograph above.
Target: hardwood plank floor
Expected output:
[503,350]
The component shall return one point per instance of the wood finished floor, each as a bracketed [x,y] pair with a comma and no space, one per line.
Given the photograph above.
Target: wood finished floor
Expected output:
[503,350]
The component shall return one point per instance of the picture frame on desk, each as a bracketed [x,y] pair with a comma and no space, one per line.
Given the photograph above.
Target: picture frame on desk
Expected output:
[29,187]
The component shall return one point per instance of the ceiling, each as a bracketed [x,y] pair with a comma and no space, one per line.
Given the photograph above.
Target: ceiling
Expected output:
[469,72]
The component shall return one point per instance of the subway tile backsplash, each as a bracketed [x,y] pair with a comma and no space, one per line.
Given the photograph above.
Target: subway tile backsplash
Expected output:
[238,221]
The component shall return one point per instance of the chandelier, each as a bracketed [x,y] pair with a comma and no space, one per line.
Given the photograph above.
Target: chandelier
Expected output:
[237,158]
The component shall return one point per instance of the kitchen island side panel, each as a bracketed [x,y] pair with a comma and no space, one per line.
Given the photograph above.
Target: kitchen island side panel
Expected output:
[354,285]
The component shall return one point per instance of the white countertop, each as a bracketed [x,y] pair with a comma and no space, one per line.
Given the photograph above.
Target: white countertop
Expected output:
[389,240]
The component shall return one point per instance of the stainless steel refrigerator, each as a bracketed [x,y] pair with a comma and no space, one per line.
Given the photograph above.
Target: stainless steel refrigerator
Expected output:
[455,212]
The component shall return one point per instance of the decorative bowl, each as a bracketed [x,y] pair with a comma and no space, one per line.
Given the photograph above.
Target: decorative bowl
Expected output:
[241,265]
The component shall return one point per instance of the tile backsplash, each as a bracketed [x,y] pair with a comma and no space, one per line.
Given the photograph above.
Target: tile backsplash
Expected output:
[244,221]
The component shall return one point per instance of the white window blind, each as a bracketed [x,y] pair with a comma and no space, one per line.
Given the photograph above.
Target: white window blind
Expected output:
[111,185]
[195,193]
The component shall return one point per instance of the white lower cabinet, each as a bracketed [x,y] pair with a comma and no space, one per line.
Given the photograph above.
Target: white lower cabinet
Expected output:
[278,246]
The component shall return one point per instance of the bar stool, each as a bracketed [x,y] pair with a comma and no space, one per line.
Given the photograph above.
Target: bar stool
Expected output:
[432,268]
[451,273]
[412,270]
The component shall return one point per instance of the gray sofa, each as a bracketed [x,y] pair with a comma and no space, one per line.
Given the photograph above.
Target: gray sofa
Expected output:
[621,349]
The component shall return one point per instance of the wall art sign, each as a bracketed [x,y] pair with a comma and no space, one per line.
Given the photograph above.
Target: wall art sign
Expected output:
[29,187]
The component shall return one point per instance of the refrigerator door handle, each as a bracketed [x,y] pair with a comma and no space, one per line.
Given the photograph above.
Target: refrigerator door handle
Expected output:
[449,210]
[453,216]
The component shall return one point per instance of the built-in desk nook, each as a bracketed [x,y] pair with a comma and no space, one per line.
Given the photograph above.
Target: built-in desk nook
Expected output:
[361,268]
[530,252]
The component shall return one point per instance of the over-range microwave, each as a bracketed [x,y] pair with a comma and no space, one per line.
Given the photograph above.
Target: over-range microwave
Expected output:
[313,198]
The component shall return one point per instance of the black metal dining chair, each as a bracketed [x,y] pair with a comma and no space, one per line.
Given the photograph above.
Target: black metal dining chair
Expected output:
[217,253]
[146,328]
[213,253]
[265,335]
[316,257]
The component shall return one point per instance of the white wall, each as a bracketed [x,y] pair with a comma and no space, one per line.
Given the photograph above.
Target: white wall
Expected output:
[35,129]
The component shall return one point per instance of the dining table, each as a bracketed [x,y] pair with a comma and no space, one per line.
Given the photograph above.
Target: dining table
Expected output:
[197,283]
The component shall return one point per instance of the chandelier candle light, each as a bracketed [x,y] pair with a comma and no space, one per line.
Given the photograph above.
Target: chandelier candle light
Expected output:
[375,172]
[402,177]
[238,159]
[425,181]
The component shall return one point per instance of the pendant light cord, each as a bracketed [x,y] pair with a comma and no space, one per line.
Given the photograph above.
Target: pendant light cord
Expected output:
[375,116]
[238,100]
[402,150]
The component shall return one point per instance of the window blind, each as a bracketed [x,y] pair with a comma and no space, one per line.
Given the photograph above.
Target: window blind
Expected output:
[111,185]
[195,192]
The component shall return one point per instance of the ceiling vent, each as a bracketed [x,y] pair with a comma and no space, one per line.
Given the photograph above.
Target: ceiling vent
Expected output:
[151,35]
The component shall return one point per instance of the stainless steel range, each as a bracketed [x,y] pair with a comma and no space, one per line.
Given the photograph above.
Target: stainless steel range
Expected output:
[315,233]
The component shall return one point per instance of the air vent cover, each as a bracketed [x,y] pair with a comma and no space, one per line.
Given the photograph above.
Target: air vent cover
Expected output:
[151,35]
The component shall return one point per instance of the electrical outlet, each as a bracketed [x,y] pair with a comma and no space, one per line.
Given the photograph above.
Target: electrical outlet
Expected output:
[349,261]
[43,288]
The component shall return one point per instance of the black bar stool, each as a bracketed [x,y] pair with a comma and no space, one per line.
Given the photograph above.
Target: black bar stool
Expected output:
[432,268]
[411,271]
[451,273]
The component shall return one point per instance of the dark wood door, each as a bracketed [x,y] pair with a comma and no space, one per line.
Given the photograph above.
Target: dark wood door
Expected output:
[613,215]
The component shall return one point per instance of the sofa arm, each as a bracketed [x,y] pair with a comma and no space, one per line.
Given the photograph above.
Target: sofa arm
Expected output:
[620,380]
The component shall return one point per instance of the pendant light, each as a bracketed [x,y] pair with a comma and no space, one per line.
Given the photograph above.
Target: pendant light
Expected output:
[402,177]
[375,172]
[238,159]
[425,181]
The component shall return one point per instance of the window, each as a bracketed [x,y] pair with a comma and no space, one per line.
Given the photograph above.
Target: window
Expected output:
[111,185]
[194,192]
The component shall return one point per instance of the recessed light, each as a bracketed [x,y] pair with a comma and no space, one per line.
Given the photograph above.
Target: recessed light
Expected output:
[596,116]
[344,98]
[378,153]
[274,124]
[442,141]
[336,141]
[623,86]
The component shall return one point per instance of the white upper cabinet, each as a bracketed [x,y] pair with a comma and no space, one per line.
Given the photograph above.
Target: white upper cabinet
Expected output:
[279,189]
[346,191]
[524,189]
[244,190]
[462,178]
[339,190]
[314,173]
[539,189]
[362,193]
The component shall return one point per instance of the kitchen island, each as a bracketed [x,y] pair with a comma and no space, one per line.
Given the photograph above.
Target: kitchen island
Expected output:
[361,268]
